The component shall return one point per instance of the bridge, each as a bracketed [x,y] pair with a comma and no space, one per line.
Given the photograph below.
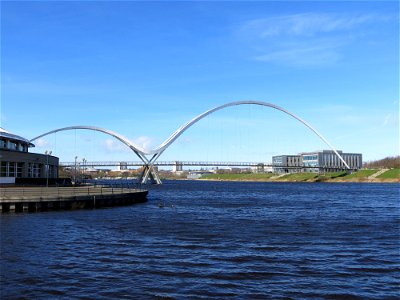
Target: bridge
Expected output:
[180,164]
[149,158]
[164,164]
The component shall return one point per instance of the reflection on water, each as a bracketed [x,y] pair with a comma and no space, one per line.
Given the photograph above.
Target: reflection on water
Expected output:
[212,240]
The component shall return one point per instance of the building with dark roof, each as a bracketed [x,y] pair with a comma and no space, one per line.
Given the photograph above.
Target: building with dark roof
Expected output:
[17,162]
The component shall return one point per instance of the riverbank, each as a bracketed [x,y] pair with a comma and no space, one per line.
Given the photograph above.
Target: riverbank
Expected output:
[375,175]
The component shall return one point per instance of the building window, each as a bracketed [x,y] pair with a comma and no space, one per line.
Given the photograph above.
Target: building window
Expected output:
[11,169]
[3,169]
[36,170]
[310,157]
[310,160]
[277,160]
[12,146]
[33,170]
[19,169]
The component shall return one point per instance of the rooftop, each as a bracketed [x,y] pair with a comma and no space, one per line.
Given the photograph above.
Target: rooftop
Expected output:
[11,136]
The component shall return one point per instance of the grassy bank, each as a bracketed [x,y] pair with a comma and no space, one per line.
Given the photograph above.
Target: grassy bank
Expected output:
[392,175]
[240,177]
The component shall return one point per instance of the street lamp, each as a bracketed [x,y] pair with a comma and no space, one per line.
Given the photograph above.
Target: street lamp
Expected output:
[76,157]
[47,167]
[83,169]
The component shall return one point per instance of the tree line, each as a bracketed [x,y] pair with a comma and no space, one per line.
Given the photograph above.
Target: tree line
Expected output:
[387,163]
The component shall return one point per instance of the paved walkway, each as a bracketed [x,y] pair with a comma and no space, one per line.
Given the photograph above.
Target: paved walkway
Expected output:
[380,172]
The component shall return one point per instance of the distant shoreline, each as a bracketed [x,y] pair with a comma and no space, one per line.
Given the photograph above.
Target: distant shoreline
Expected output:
[307,181]
[364,175]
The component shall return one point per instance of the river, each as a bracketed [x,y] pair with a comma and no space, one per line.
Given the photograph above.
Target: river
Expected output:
[218,240]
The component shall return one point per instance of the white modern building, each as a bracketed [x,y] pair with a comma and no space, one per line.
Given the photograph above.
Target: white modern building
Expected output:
[317,161]
[327,160]
[286,164]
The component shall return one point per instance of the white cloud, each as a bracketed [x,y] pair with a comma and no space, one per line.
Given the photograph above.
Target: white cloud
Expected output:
[386,119]
[307,56]
[307,39]
[41,143]
[306,24]
[112,145]
[391,120]
[145,142]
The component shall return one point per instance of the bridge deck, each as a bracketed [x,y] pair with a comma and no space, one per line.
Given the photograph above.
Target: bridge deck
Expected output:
[167,163]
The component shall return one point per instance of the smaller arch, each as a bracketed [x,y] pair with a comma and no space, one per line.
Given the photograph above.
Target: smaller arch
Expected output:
[138,150]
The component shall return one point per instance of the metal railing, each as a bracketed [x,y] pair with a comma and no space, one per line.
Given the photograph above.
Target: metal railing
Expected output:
[164,163]
[36,192]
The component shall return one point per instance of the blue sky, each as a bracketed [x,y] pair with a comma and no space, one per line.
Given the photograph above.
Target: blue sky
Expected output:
[144,68]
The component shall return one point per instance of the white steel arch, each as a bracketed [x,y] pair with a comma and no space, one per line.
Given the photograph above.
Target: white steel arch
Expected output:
[157,152]
[121,138]
[149,170]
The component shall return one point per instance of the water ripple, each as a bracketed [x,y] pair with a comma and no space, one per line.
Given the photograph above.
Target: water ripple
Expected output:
[212,240]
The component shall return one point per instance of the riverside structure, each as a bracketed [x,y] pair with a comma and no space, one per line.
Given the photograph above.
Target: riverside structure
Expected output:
[34,199]
[317,161]
[17,162]
[149,157]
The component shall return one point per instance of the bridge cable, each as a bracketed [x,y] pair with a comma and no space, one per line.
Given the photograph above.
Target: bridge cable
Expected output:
[75,145]
[55,143]
[208,138]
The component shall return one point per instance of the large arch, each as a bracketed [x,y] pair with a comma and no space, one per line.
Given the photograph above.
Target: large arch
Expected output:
[150,171]
[157,152]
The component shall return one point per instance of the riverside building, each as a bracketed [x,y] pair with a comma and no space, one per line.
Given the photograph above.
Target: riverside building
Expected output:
[317,161]
[286,164]
[17,162]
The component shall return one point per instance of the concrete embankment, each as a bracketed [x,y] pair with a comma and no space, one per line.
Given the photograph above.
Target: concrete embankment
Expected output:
[33,199]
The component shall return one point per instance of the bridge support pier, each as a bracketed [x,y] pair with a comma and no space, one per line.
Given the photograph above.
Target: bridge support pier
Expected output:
[149,172]
[260,168]
[177,167]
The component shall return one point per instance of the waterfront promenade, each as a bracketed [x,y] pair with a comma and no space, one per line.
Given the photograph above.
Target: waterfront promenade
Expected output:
[32,199]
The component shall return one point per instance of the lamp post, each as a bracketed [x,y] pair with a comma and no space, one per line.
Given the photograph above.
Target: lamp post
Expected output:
[47,167]
[76,157]
[83,169]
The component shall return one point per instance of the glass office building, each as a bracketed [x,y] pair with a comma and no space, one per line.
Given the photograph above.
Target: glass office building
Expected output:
[317,161]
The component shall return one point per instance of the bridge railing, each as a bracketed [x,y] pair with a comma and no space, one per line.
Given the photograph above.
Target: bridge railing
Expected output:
[164,163]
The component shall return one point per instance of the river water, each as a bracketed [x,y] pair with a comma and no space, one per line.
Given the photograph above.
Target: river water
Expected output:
[219,240]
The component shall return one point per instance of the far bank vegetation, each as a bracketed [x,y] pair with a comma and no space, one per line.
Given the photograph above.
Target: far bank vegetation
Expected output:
[385,163]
